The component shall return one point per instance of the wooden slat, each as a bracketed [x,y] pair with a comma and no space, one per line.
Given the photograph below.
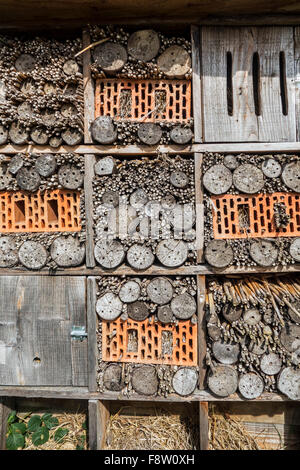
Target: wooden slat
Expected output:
[198,158]
[203,425]
[92,337]
[88,89]
[88,195]
[297,78]
[98,417]
[273,125]
[79,349]
[196,82]
[219,126]
[201,330]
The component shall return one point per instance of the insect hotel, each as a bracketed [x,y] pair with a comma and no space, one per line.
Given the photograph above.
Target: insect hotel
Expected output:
[150,218]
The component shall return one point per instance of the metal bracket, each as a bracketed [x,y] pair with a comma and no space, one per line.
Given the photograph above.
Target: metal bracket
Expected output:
[78,333]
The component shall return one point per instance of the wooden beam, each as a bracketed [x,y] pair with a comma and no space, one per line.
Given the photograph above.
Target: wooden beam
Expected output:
[98,417]
[203,426]
[201,330]
[198,159]
[89,209]
[92,334]
[6,406]
[196,83]
[88,88]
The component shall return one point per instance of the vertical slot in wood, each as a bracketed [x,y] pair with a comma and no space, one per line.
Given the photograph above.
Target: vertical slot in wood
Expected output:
[283,87]
[256,83]
[229,83]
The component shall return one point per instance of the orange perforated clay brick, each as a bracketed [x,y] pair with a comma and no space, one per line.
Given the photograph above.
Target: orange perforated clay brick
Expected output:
[145,100]
[50,211]
[242,216]
[149,343]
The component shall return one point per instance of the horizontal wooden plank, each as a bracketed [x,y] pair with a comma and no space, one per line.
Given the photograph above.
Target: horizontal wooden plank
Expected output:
[131,150]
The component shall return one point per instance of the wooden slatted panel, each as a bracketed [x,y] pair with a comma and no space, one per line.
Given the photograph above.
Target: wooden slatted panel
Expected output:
[36,317]
[270,124]
[297,78]
[219,126]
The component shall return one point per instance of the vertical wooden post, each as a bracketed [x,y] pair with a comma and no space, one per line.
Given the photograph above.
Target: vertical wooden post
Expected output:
[203,424]
[92,335]
[201,330]
[88,89]
[196,84]
[6,406]
[98,417]
[198,159]
[89,208]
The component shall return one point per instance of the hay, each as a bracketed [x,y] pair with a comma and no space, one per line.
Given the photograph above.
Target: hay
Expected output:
[162,431]
[228,433]
[74,422]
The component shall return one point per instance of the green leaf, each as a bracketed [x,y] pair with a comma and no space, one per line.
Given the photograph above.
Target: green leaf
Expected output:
[49,420]
[34,423]
[15,441]
[60,434]
[84,426]
[12,417]
[18,428]
[41,436]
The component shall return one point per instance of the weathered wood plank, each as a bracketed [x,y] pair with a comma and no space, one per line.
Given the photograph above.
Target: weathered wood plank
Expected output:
[203,425]
[196,83]
[6,406]
[79,349]
[92,337]
[272,123]
[88,194]
[198,158]
[201,330]
[227,57]
[98,417]
[297,78]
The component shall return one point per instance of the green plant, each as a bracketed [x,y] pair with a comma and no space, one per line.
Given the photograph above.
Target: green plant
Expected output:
[36,430]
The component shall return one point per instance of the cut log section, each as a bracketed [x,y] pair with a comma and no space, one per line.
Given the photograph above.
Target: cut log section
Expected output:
[226,353]
[109,307]
[28,179]
[295,249]
[105,166]
[288,383]
[251,385]
[181,135]
[109,254]
[231,162]
[175,62]
[129,292]
[70,67]
[138,199]
[39,135]
[179,179]
[45,165]
[49,117]
[183,306]
[55,141]
[290,337]
[110,199]
[291,176]
[49,88]
[144,380]
[172,253]
[293,315]
[67,251]
[214,332]
[25,63]
[149,133]
[28,87]
[137,311]
[232,313]
[218,179]
[68,110]
[3,135]
[18,134]
[140,257]
[165,314]
[110,56]
[160,290]
[5,178]
[32,255]
[15,164]
[25,111]
[184,381]
[103,130]
[252,316]
[168,202]
[271,168]
[218,253]
[263,252]
[143,45]
[223,381]
[8,252]
[113,378]
[70,177]
[249,179]
[71,136]
[270,364]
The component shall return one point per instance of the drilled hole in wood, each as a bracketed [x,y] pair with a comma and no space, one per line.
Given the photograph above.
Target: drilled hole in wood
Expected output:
[256,83]
[37,361]
[229,83]
[283,87]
